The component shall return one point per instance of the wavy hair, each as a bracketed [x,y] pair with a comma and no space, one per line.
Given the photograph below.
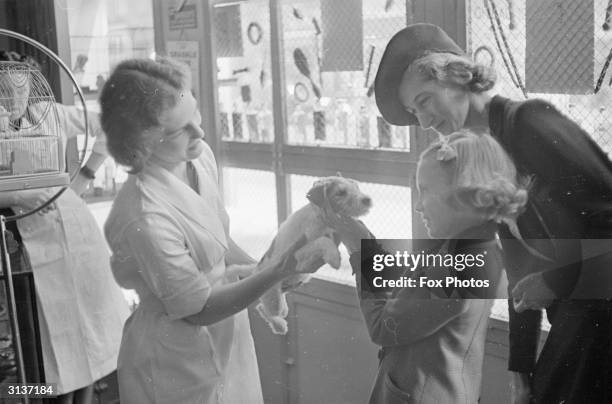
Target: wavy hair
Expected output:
[482,175]
[135,95]
[448,68]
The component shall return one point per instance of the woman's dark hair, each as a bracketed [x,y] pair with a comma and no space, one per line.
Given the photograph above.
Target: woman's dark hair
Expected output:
[135,95]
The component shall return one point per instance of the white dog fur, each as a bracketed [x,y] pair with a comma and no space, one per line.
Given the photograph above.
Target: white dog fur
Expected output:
[342,196]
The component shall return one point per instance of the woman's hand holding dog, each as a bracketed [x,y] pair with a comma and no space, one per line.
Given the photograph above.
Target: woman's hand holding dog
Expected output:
[286,264]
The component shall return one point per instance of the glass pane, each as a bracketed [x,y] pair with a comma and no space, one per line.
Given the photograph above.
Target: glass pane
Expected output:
[390,217]
[250,200]
[243,61]
[331,52]
[103,33]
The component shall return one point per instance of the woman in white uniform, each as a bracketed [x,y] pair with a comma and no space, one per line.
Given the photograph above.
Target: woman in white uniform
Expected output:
[189,340]
[81,309]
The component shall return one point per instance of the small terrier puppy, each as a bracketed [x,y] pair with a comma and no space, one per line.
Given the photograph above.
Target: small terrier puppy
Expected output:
[341,196]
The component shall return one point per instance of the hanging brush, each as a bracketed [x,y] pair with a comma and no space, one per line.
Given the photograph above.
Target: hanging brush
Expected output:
[301,62]
[297,14]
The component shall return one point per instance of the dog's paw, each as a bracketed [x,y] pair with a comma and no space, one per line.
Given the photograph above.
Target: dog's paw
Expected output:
[279,325]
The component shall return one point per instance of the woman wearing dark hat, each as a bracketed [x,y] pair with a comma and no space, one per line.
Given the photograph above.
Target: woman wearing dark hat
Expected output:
[425,78]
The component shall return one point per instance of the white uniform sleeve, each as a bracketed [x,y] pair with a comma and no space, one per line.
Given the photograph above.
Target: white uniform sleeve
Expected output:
[166,266]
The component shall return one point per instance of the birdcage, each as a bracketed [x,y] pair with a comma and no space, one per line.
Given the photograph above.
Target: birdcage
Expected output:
[31,148]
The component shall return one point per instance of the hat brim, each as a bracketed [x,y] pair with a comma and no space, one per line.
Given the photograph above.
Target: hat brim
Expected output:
[406,46]
[386,86]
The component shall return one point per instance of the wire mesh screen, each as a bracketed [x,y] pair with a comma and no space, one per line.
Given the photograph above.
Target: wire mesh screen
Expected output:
[332,49]
[242,35]
[557,50]
[250,200]
[390,217]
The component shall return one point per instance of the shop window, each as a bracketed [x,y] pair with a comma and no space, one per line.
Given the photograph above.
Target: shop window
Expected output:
[103,33]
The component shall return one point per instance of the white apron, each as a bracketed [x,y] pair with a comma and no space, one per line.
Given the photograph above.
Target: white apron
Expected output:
[165,359]
[81,307]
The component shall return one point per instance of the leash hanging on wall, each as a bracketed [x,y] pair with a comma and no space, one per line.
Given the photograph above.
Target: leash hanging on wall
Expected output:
[254,33]
[504,51]
[482,50]
[300,92]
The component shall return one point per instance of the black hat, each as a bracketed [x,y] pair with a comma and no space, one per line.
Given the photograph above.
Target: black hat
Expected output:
[406,46]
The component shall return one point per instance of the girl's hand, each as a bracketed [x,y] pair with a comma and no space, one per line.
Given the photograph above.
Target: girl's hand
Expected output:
[351,231]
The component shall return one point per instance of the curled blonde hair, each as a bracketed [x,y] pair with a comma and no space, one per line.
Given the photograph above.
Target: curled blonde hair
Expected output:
[482,175]
[448,68]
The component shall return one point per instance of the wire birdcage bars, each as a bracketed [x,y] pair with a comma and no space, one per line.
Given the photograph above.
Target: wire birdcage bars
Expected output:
[31,148]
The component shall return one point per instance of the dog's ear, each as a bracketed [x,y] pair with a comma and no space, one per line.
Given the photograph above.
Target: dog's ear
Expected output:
[339,174]
[317,193]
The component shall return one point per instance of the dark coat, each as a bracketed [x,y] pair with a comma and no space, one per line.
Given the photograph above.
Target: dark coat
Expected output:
[570,200]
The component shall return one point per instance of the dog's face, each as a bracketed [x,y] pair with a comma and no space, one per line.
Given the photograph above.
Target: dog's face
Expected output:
[342,194]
